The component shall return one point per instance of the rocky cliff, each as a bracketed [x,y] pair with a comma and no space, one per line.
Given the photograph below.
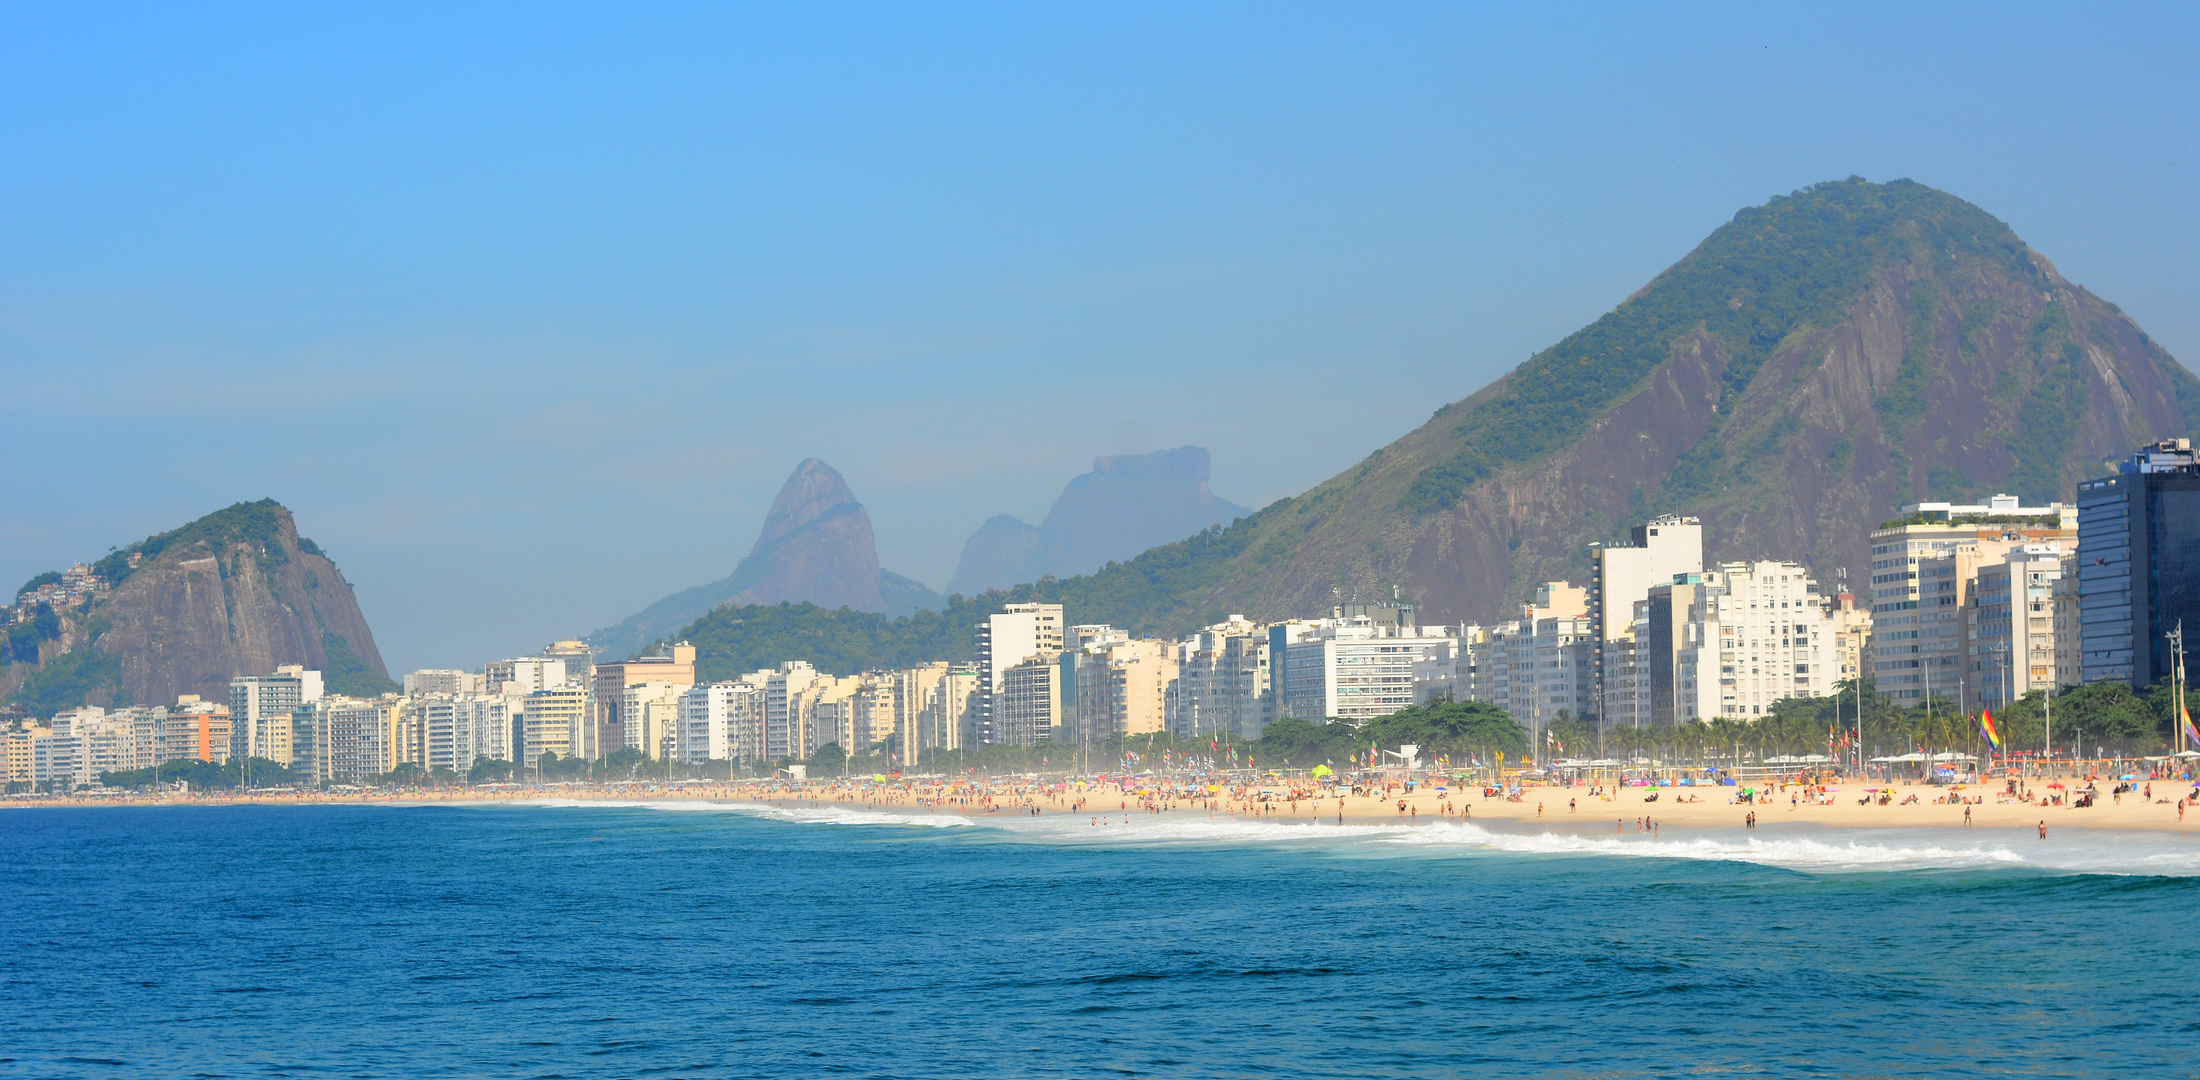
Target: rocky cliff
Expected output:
[816,546]
[1122,507]
[237,592]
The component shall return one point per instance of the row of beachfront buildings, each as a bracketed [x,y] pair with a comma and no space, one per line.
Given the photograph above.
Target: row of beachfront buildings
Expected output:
[1981,603]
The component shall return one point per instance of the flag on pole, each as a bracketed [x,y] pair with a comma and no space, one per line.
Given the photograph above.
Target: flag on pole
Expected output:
[1986,727]
[2184,716]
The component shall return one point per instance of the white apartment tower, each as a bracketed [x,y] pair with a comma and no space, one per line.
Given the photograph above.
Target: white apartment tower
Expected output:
[2013,646]
[1006,639]
[1752,634]
[721,722]
[1620,576]
[255,701]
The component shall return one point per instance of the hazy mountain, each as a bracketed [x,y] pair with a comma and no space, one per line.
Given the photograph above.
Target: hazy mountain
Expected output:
[237,592]
[1122,507]
[816,547]
[1814,364]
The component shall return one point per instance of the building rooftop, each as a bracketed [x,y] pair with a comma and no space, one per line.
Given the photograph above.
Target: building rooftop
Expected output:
[1999,506]
[2167,456]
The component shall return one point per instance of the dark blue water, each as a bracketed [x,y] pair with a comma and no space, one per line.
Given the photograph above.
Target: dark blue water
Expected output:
[636,941]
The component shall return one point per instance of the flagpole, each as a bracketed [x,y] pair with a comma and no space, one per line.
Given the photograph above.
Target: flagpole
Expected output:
[2179,682]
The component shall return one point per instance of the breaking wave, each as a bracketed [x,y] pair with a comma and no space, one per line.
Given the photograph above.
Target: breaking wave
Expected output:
[1808,849]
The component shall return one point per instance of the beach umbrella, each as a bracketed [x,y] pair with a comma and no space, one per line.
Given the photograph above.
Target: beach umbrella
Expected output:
[2055,785]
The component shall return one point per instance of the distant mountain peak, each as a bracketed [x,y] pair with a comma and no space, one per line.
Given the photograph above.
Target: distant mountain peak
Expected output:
[816,546]
[812,492]
[1126,504]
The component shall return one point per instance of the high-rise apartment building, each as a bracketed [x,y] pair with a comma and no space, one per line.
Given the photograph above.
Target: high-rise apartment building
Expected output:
[461,729]
[676,665]
[837,713]
[1028,710]
[196,729]
[949,713]
[2011,626]
[1923,567]
[1852,636]
[1122,688]
[2069,630]
[913,691]
[549,720]
[346,740]
[1737,639]
[788,704]
[256,701]
[1352,668]
[722,722]
[1008,638]
[649,716]
[2139,563]
[1540,664]
[1222,681]
[519,676]
[1620,576]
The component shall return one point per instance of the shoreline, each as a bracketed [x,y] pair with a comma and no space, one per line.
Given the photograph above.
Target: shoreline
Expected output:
[1575,807]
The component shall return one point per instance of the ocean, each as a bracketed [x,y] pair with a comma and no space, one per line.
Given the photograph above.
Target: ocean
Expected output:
[680,940]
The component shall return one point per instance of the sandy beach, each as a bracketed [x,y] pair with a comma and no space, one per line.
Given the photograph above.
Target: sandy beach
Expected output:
[1586,807]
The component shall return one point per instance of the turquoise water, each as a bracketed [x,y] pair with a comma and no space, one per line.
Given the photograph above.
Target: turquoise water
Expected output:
[599,941]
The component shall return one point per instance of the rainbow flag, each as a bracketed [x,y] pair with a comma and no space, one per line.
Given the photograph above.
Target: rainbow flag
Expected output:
[2192,734]
[1986,727]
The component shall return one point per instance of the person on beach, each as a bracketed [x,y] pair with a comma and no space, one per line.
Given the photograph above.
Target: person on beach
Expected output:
[1967,816]
[2043,830]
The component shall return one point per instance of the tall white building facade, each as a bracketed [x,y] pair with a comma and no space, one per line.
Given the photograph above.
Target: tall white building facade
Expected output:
[721,721]
[1923,568]
[787,709]
[1222,681]
[1620,577]
[1754,634]
[463,728]
[1008,638]
[256,701]
[1350,668]
[2011,617]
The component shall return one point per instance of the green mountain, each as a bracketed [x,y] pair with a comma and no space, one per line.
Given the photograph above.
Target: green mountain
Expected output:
[1814,364]
[237,592]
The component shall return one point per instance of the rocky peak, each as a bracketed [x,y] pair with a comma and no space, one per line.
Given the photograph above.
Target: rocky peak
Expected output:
[237,592]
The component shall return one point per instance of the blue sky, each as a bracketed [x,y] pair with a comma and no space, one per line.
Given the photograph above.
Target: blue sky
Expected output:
[527,310]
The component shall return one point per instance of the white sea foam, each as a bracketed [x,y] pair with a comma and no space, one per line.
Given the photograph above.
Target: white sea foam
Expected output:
[1834,853]
[1811,849]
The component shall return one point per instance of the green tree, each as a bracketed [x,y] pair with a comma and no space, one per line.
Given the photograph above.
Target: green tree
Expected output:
[829,759]
[487,770]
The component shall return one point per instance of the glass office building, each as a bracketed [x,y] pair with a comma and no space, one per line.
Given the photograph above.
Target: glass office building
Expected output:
[2139,563]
